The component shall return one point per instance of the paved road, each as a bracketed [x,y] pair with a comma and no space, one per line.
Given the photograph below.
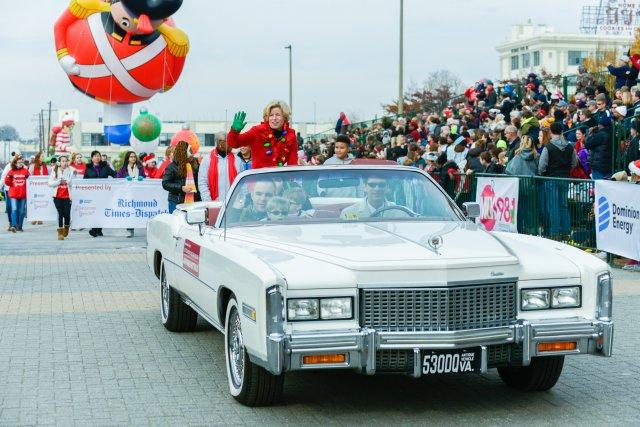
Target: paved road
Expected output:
[81,343]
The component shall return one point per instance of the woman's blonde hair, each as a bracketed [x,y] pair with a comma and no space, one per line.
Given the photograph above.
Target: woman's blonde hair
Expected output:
[626,98]
[526,142]
[286,110]
[546,136]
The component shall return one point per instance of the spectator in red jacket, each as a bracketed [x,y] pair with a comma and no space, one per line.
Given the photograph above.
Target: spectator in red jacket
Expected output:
[168,158]
[38,167]
[78,165]
[16,181]
[272,142]
[150,166]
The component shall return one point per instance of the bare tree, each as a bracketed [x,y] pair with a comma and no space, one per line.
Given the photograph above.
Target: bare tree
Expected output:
[438,90]
[8,133]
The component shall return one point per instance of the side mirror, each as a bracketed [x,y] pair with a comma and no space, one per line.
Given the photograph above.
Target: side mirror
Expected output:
[471,209]
[195,216]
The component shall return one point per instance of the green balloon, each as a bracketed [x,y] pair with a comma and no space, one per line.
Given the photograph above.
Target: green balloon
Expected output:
[146,127]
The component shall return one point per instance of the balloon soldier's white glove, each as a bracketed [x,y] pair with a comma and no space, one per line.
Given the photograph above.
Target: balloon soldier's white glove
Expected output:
[68,64]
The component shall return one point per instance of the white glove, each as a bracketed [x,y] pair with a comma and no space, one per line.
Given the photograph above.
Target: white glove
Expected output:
[68,64]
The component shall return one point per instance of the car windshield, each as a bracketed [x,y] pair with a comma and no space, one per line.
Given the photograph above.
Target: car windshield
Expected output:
[339,195]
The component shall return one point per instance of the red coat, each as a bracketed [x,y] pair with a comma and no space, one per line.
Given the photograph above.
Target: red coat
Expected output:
[16,180]
[265,150]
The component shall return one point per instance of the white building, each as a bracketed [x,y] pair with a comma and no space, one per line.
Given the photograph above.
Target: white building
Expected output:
[531,48]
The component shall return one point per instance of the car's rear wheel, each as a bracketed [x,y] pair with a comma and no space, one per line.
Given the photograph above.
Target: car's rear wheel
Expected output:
[249,383]
[540,375]
[176,315]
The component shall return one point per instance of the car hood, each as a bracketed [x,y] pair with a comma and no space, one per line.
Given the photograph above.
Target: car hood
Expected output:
[358,245]
[339,255]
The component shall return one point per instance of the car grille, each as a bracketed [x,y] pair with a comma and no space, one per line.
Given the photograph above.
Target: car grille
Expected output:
[438,309]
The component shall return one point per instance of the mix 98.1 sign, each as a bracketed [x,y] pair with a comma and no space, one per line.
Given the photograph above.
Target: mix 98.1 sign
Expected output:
[498,198]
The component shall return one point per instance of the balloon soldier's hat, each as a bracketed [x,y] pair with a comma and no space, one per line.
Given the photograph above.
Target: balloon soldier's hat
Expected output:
[151,10]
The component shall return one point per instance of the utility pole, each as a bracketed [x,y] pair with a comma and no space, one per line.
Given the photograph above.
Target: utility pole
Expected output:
[41,128]
[401,62]
[290,79]
[315,118]
[47,133]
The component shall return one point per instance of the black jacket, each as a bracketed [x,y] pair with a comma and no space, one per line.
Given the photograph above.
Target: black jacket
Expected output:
[599,146]
[105,171]
[172,182]
[512,147]
[473,160]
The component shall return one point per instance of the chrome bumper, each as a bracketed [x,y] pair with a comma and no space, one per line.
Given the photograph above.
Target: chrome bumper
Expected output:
[286,351]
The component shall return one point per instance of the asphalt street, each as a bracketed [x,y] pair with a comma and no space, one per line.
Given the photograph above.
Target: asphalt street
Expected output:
[81,343]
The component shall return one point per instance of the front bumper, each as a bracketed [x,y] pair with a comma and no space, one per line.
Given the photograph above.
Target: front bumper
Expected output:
[286,351]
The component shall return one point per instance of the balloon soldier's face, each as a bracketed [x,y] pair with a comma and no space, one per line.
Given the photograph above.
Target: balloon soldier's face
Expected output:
[126,20]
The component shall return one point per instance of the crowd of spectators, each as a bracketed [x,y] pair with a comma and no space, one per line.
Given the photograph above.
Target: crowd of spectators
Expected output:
[500,131]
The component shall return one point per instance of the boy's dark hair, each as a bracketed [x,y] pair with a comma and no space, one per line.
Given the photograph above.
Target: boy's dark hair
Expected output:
[556,128]
[486,156]
[94,152]
[344,139]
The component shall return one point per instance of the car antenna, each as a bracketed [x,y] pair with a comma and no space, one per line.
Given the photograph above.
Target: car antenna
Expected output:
[224,221]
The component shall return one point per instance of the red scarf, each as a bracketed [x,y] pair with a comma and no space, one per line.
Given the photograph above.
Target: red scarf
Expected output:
[213,172]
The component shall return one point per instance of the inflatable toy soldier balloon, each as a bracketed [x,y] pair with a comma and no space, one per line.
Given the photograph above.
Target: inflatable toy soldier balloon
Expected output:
[119,53]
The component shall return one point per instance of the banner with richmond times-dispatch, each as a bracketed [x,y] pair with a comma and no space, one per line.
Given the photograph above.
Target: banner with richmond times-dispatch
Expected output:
[116,203]
[617,212]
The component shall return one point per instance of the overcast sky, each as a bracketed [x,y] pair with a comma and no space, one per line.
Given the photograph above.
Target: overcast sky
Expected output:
[345,54]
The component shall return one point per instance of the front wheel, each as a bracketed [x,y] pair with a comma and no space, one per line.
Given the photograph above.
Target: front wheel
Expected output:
[249,383]
[541,375]
[176,315]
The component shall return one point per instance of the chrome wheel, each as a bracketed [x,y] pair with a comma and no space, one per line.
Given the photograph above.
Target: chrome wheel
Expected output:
[235,346]
[164,290]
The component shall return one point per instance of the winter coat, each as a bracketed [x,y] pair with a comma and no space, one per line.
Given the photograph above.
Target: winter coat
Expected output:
[599,146]
[124,172]
[334,160]
[104,171]
[555,160]
[173,183]
[278,153]
[16,181]
[511,149]
[621,74]
[54,179]
[494,168]
[530,127]
[523,163]
[473,160]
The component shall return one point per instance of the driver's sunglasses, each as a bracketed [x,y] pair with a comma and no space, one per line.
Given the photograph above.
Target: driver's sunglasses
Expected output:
[279,213]
[377,184]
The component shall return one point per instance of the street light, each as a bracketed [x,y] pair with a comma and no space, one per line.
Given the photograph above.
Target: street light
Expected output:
[400,65]
[290,79]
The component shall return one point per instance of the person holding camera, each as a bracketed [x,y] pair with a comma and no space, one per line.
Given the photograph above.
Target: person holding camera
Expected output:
[59,181]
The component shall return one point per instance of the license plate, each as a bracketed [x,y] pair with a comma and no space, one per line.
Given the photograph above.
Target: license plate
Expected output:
[457,361]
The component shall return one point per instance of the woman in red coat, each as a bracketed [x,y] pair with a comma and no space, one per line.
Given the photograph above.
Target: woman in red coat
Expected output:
[272,142]
[16,181]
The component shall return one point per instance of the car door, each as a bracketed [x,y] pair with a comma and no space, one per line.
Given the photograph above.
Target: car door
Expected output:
[195,274]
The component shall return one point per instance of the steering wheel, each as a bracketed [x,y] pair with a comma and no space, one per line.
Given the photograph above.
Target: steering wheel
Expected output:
[404,209]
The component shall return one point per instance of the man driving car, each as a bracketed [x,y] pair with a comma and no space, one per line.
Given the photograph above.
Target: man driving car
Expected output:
[375,189]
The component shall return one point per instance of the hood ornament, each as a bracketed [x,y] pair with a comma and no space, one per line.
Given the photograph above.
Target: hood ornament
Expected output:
[435,242]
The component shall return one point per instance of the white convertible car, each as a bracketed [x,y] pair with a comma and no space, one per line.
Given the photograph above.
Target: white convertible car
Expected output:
[374,269]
